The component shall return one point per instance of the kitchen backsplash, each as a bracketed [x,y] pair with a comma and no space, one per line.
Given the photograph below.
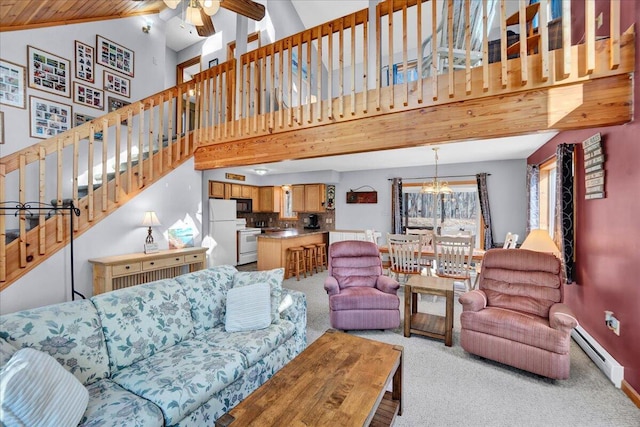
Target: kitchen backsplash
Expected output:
[326,220]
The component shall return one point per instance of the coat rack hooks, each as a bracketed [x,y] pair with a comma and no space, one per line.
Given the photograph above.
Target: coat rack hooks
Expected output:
[28,208]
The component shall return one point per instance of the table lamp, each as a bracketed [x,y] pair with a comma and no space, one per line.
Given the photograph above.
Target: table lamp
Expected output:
[150,220]
[539,240]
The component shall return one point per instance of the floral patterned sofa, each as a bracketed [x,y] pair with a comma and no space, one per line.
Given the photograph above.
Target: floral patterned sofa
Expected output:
[158,354]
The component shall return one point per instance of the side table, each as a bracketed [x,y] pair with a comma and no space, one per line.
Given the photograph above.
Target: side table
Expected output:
[428,325]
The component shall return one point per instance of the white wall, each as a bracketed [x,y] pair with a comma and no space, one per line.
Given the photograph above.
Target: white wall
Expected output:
[172,198]
[149,66]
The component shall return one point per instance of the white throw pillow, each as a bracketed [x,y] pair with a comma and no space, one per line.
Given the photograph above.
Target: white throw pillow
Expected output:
[248,308]
[36,391]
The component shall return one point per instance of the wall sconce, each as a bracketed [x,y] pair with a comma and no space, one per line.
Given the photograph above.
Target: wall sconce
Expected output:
[146,28]
[150,220]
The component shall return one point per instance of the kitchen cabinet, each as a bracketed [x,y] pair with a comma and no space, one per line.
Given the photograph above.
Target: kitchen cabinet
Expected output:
[236,191]
[308,197]
[216,190]
[269,199]
[255,198]
[246,191]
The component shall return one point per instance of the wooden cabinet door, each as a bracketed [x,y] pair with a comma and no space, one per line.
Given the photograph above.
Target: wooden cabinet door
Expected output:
[236,191]
[255,198]
[246,191]
[314,197]
[266,199]
[297,202]
[227,190]
[216,189]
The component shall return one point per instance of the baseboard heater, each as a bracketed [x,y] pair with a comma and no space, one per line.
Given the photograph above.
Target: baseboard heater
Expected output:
[607,364]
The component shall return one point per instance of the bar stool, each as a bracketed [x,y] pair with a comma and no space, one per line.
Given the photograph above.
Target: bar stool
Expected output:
[321,260]
[296,262]
[310,257]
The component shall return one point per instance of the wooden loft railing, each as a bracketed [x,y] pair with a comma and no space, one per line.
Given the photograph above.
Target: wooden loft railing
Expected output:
[257,109]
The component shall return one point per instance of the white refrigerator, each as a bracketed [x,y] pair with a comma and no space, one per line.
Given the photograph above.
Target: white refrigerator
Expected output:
[222,228]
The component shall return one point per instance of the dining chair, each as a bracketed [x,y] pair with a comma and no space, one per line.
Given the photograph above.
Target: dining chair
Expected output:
[426,241]
[510,241]
[404,255]
[453,257]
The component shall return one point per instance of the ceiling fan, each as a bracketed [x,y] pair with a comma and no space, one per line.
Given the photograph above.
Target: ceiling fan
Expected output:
[199,12]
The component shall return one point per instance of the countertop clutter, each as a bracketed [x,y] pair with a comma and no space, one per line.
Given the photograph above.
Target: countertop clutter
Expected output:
[280,233]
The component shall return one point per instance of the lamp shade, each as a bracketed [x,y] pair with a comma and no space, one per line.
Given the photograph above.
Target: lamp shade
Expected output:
[150,219]
[172,3]
[539,240]
[193,16]
[210,7]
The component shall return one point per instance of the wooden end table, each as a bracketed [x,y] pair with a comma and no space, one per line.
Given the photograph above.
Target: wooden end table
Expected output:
[339,379]
[428,325]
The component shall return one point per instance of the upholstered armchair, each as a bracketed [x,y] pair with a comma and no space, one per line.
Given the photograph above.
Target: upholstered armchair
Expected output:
[516,316]
[360,296]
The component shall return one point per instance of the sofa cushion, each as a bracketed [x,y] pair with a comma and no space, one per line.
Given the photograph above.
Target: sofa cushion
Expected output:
[36,391]
[248,308]
[142,320]
[181,378]
[362,298]
[517,326]
[254,345]
[206,291]
[272,277]
[70,332]
[110,405]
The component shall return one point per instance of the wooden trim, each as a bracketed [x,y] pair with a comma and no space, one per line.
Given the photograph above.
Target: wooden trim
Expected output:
[631,393]
[186,64]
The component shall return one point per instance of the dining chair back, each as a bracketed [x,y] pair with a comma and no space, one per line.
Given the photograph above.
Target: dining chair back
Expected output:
[453,257]
[404,254]
[426,241]
[510,241]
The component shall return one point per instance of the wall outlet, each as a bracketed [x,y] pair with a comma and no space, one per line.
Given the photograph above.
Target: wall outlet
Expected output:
[611,322]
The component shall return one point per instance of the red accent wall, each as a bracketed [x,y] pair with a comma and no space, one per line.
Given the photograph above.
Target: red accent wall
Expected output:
[608,230]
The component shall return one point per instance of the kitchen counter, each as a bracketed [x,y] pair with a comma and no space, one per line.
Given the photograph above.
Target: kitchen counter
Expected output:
[273,246]
[289,233]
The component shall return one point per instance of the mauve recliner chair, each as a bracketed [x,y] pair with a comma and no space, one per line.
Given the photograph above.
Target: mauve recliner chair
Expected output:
[360,296]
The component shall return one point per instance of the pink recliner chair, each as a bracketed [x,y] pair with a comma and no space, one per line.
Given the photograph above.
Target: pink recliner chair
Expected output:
[360,296]
[516,316]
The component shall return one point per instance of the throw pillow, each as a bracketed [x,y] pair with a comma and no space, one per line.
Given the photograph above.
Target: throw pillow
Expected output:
[37,391]
[272,277]
[248,308]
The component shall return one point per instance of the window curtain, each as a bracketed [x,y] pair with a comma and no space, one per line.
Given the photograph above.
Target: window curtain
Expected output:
[533,198]
[483,195]
[564,212]
[396,206]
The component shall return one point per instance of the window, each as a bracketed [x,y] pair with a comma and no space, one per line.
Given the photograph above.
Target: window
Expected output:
[454,213]
[547,195]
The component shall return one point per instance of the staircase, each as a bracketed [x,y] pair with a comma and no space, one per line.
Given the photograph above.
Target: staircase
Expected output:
[276,102]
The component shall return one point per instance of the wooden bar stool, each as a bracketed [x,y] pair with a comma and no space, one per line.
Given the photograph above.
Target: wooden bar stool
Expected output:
[310,257]
[321,256]
[297,263]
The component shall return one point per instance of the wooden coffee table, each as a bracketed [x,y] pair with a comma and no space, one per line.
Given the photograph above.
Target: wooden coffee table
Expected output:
[429,325]
[340,379]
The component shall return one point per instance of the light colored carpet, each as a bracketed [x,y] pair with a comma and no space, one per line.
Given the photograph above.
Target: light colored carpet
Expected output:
[445,386]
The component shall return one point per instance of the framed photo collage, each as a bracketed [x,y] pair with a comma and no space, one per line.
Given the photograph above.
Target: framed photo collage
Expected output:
[45,71]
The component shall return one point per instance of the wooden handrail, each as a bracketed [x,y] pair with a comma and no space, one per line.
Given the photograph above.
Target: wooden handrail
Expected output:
[283,86]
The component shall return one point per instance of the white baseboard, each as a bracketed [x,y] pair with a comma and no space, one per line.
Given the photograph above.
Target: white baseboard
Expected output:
[607,364]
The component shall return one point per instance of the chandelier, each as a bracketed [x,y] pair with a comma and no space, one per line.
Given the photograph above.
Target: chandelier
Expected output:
[192,14]
[436,186]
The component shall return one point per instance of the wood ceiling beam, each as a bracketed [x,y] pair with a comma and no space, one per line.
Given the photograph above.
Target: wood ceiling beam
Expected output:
[600,102]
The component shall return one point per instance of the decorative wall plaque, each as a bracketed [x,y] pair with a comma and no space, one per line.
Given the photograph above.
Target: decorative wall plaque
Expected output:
[594,173]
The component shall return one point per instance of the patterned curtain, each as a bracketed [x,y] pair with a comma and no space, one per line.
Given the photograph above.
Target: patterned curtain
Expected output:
[483,195]
[396,206]
[533,198]
[563,230]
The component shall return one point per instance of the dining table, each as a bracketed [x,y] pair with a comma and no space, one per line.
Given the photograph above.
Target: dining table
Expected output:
[429,252]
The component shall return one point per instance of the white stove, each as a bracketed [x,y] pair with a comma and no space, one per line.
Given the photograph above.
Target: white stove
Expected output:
[247,242]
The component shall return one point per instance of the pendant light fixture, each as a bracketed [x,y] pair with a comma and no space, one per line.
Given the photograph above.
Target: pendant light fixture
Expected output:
[436,186]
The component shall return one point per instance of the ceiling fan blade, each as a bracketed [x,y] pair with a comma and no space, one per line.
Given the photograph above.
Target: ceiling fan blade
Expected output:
[247,8]
[207,29]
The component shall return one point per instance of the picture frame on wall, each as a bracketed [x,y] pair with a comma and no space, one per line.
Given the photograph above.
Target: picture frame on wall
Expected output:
[49,72]
[87,95]
[48,118]
[115,56]
[80,119]
[12,84]
[84,62]
[114,104]
[213,62]
[116,84]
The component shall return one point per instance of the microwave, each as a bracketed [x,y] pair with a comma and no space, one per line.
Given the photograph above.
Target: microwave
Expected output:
[244,205]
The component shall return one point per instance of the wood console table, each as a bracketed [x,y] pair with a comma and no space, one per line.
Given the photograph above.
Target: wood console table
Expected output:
[121,271]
